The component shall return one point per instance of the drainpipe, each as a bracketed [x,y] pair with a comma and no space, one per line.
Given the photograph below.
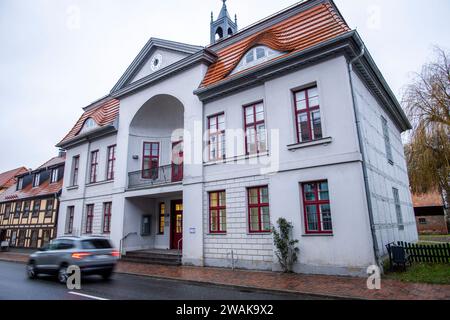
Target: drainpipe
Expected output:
[364,167]
[87,172]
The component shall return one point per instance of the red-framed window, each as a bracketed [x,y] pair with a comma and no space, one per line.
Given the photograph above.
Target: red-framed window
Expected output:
[258,209]
[75,169]
[89,217]
[150,160]
[217,212]
[255,129]
[316,208]
[111,162]
[161,221]
[94,167]
[307,115]
[49,208]
[36,208]
[70,216]
[107,217]
[216,132]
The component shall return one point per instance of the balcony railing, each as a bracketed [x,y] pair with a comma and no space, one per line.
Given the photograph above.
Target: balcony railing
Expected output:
[155,176]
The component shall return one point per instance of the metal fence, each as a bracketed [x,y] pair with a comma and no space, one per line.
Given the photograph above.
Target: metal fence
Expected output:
[155,176]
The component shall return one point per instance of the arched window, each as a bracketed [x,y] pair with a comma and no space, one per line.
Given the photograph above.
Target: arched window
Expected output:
[88,125]
[255,56]
[219,33]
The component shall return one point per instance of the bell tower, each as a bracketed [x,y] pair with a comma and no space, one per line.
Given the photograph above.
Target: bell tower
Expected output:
[223,27]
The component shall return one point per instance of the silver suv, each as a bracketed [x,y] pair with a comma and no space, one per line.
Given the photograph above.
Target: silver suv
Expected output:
[94,255]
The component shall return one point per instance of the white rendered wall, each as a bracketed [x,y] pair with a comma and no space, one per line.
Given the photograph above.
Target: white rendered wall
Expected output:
[349,250]
[85,193]
[382,175]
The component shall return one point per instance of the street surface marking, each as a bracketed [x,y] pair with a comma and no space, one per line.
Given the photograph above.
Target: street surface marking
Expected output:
[86,296]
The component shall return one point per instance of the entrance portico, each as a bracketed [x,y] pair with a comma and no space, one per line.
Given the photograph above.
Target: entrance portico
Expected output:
[153,222]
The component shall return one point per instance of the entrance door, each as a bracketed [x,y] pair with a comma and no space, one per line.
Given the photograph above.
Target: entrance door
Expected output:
[176,228]
[177,161]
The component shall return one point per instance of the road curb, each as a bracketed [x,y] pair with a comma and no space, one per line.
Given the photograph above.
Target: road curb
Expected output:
[242,287]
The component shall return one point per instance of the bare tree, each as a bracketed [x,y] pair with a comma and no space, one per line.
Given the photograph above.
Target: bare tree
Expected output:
[427,101]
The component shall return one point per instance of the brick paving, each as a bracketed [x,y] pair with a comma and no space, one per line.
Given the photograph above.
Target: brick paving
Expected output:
[331,286]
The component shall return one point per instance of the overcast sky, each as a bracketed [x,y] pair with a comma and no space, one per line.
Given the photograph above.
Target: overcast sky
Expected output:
[57,56]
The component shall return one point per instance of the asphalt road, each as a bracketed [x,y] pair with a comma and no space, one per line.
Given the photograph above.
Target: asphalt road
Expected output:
[14,285]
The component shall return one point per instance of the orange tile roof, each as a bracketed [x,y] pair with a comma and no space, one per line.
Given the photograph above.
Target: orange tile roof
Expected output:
[7,178]
[46,188]
[297,33]
[102,114]
[53,162]
[431,199]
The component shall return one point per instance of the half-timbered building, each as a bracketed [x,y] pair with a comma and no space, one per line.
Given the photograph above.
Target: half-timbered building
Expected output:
[28,209]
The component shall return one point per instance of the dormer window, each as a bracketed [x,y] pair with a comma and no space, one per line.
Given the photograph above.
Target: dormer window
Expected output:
[256,56]
[88,125]
[19,184]
[54,176]
[36,179]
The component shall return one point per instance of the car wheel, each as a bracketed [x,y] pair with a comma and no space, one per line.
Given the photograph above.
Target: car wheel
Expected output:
[62,274]
[106,275]
[31,270]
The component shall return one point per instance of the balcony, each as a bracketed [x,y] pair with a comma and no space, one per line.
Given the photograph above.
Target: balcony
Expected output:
[157,176]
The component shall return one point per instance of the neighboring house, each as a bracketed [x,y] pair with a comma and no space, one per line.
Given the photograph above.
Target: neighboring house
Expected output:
[8,178]
[272,122]
[430,214]
[29,208]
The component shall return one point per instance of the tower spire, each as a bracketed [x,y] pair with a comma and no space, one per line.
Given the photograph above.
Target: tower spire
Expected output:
[224,26]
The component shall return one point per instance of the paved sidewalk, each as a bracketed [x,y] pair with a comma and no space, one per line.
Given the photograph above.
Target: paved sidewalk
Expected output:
[327,286]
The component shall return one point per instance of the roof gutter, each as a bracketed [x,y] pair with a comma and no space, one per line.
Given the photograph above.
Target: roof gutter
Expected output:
[361,148]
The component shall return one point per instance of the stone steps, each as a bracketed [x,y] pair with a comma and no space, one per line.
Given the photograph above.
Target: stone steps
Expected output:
[147,257]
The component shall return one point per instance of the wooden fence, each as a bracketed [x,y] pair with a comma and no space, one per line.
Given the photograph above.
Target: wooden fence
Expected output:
[433,253]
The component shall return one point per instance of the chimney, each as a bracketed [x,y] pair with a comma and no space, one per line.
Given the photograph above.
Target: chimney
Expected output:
[62,153]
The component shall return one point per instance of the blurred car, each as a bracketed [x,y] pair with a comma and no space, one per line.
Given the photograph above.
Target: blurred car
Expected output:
[94,255]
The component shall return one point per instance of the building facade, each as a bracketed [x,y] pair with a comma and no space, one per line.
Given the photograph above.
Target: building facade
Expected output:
[29,208]
[203,149]
[430,213]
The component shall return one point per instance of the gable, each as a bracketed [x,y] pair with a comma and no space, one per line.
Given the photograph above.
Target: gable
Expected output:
[156,60]
[141,67]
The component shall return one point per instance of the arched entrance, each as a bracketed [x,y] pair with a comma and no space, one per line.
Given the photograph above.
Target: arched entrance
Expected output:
[153,211]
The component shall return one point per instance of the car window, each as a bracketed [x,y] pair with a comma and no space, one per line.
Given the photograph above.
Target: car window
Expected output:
[61,245]
[65,245]
[54,245]
[96,244]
